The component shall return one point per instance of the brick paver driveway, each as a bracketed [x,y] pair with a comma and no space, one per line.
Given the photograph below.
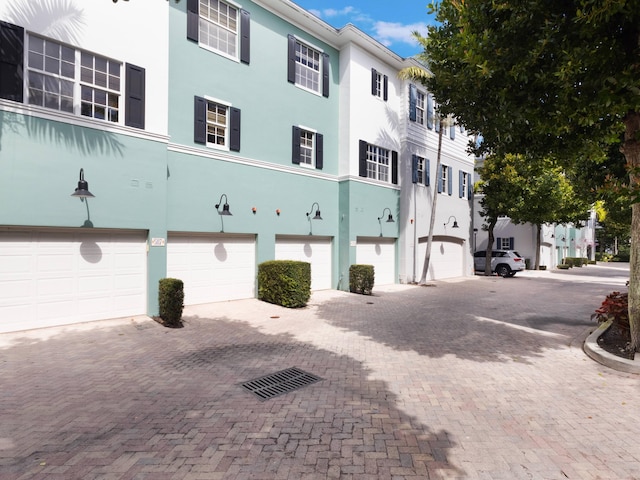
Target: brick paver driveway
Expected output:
[482,378]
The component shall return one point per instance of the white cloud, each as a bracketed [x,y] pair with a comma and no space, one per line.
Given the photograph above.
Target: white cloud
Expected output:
[332,12]
[389,33]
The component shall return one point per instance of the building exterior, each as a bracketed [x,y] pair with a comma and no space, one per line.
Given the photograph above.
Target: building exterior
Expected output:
[226,135]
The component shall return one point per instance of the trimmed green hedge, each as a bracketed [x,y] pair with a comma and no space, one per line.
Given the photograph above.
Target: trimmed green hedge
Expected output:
[361,279]
[284,282]
[170,299]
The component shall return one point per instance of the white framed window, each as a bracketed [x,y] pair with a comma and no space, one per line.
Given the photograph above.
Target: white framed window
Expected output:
[307,147]
[218,26]
[444,184]
[464,183]
[308,66]
[379,84]
[217,124]
[378,163]
[75,81]
[420,98]
[420,171]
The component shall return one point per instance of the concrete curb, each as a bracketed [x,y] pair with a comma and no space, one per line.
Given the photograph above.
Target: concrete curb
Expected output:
[594,351]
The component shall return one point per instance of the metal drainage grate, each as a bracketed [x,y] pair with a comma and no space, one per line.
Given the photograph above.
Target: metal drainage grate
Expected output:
[279,383]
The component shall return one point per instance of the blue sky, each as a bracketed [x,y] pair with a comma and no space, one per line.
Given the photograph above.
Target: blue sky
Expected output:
[391,23]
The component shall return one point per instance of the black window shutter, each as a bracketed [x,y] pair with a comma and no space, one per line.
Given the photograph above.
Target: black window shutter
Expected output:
[385,88]
[450,181]
[234,133]
[461,184]
[134,96]
[11,61]
[394,167]
[193,20]
[200,120]
[511,243]
[414,168]
[295,145]
[412,102]
[245,36]
[291,60]
[363,159]
[325,75]
[374,82]
[319,151]
[498,243]
[452,132]
[427,173]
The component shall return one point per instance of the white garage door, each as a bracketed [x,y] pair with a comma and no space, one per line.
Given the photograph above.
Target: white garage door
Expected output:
[314,250]
[214,268]
[50,278]
[447,258]
[381,253]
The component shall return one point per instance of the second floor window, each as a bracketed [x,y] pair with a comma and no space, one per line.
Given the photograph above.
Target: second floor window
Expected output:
[216,124]
[46,73]
[307,147]
[378,163]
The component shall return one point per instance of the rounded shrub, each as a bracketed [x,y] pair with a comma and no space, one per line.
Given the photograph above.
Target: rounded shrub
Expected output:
[171,298]
[361,279]
[285,282]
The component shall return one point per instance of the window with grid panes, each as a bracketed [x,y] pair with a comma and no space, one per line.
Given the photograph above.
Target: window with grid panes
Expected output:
[420,107]
[219,26]
[378,163]
[217,124]
[58,73]
[306,147]
[307,67]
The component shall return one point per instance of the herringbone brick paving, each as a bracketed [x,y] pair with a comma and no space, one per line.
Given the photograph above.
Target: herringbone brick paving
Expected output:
[476,379]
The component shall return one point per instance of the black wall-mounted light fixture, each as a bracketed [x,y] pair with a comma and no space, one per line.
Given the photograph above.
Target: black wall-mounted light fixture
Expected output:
[389,218]
[82,191]
[225,207]
[315,217]
[455,222]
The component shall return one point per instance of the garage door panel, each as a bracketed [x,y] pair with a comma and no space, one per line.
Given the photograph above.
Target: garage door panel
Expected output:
[447,259]
[213,268]
[381,253]
[315,251]
[58,278]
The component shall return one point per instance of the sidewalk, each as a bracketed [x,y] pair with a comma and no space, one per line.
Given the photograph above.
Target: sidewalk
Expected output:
[477,379]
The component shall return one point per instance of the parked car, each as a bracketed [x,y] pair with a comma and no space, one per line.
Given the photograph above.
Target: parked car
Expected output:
[505,263]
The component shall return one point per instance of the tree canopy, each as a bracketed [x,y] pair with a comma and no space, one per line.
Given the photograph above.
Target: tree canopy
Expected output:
[542,78]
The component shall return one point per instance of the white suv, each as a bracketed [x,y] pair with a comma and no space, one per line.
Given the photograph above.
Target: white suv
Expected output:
[505,263]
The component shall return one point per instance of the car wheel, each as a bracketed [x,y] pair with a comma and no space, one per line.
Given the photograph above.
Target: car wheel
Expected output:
[503,271]
[512,274]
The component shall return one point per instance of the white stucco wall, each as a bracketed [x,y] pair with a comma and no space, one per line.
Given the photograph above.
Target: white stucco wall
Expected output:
[130,32]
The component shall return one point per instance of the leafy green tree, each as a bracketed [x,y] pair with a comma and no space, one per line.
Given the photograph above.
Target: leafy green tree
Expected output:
[545,78]
[499,185]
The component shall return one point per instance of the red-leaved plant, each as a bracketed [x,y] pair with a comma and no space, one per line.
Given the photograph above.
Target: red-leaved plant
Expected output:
[615,308]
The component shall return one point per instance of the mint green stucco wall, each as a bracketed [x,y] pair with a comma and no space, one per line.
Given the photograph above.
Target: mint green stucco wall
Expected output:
[270,105]
[40,162]
[360,206]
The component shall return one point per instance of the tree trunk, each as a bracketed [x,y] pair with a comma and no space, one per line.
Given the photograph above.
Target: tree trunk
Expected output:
[631,150]
[490,240]
[537,261]
[427,255]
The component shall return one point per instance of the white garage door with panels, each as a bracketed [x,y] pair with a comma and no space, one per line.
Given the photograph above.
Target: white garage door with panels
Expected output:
[447,258]
[314,250]
[381,253]
[214,267]
[50,278]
